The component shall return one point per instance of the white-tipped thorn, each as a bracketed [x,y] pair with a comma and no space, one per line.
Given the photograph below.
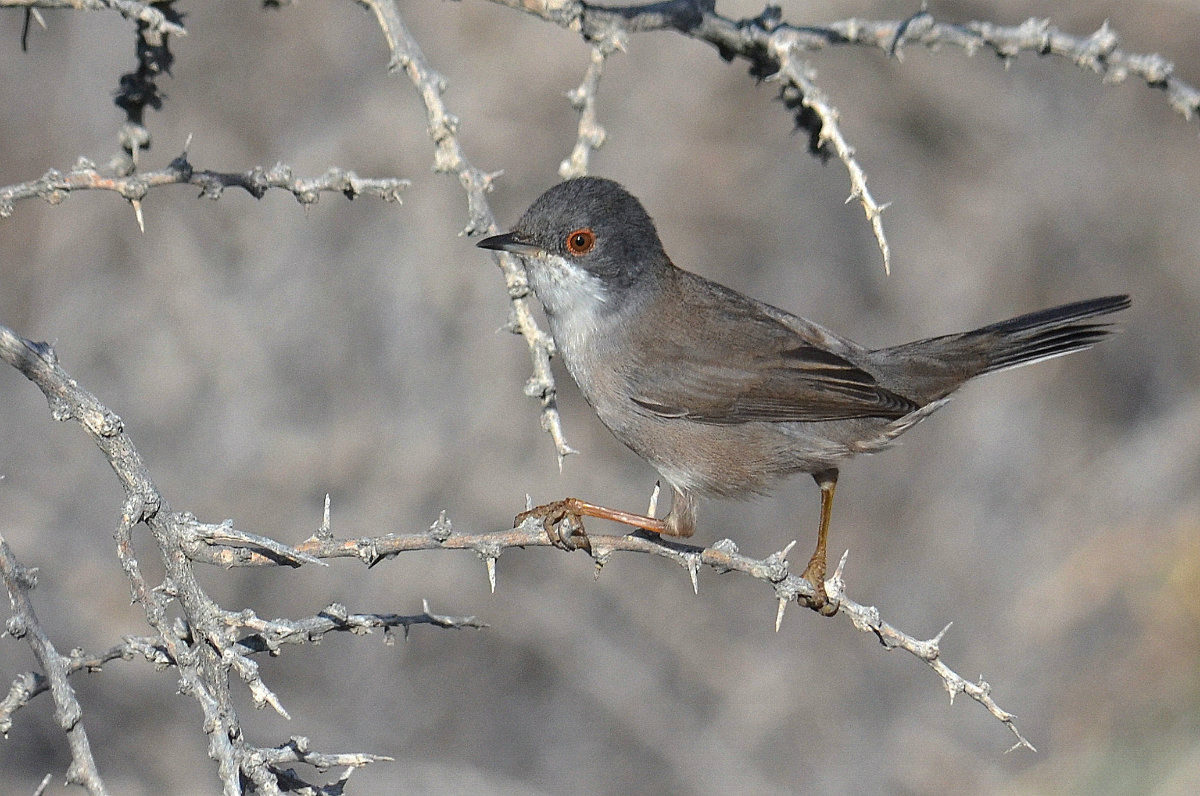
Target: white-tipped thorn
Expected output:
[528,502]
[837,573]
[491,568]
[650,512]
[938,638]
[264,696]
[693,567]
[783,554]
[325,531]
[834,585]
[275,703]
[137,212]
[783,601]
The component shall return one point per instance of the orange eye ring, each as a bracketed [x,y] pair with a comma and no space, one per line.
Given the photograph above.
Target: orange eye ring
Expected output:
[581,241]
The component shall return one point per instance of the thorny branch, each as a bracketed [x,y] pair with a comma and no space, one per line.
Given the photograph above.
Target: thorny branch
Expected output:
[232,548]
[137,91]
[155,20]
[28,685]
[261,636]
[583,99]
[55,186]
[19,580]
[722,557]
[774,49]
[212,641]
[449,158]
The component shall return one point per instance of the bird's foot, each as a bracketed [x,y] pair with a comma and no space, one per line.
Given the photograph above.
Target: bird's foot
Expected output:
[568,515]
[563,521]
[814,573]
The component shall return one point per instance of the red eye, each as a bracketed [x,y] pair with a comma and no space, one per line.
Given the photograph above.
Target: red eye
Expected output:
[581,241]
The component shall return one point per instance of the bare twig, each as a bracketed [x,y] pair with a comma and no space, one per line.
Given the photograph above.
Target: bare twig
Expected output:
[259,636]
[130,9]
[214,641]
[772,48]
[449,158]
[218,627]
[55,186]
[205,648]
[800,90]
[750,38]
[296,750]
[19,581]
[583,99]
[28,685]
[722,557]
[270,635]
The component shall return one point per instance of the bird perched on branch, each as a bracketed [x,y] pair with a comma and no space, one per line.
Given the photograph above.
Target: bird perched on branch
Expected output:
[724,394]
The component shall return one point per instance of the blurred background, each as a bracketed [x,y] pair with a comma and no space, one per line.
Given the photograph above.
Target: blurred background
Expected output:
[262,355]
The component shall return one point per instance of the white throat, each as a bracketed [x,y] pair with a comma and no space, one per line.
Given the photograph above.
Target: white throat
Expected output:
[576,303]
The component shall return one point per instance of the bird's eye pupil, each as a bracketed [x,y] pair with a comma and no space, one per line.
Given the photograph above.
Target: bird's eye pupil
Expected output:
[581,241]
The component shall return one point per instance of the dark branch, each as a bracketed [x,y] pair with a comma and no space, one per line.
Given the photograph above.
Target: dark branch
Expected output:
[147,13]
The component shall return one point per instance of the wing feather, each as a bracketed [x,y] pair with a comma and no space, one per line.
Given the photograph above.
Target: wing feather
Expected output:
[705,371]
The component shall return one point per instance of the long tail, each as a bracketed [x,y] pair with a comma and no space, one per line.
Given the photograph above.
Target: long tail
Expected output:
[926,370]
[1047,333]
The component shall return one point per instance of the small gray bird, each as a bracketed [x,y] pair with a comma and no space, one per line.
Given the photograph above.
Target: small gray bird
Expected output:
[724,394]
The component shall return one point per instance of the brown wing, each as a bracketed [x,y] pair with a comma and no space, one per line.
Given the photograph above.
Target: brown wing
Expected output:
[733,363]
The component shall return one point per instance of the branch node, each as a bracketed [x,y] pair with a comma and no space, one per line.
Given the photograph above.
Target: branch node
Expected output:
[441,528]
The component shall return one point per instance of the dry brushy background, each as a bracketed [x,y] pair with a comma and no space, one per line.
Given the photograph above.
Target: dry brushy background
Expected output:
[262,356]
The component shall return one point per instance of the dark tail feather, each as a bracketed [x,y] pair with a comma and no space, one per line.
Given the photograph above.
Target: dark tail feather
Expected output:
[1048,333]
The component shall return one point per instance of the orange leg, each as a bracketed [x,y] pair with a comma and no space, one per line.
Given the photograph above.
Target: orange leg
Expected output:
[565,516]
[563,519]
[815,572]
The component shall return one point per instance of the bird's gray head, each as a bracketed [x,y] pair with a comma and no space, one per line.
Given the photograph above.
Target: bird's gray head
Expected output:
[592,224]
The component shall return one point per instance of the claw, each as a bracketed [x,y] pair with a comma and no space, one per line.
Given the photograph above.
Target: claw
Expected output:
[562,522]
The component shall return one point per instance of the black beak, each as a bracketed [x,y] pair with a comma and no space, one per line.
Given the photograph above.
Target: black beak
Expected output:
[508,242]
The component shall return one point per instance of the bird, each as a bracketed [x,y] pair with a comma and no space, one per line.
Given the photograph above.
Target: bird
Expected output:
[725,395]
